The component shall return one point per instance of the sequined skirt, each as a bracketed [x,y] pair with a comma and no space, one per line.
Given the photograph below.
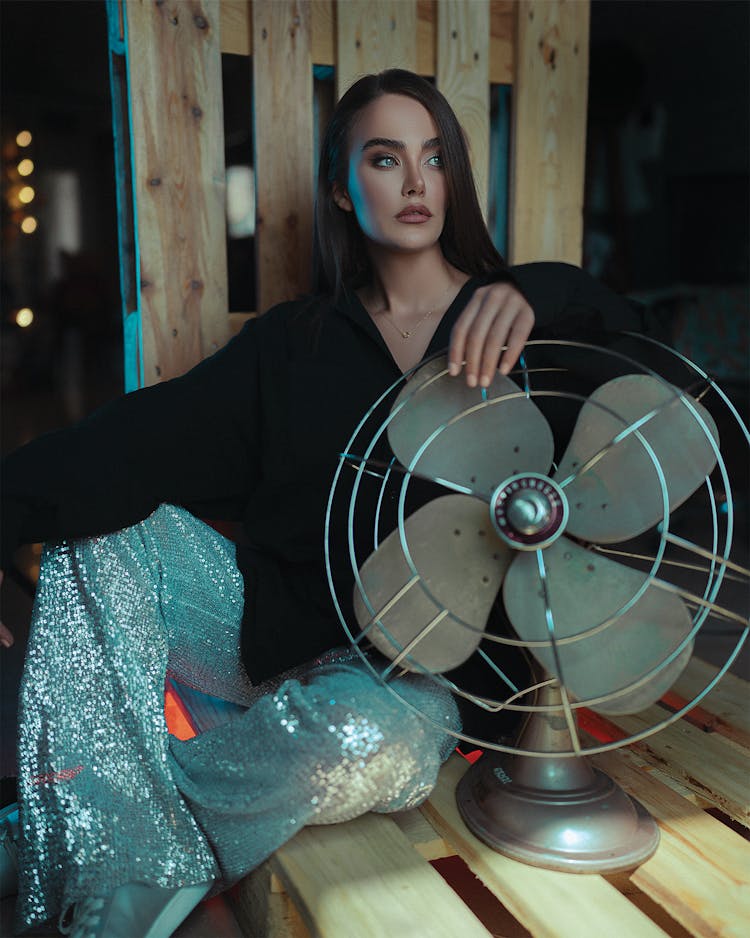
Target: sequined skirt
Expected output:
[109,797]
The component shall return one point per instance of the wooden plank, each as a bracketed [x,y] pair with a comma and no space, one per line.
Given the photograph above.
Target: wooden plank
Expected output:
[502,28]
[463,77]
[574,906]
[178,149]
[282,74]
[371,37]
[709,764]
[364,878]
[238,320]
[323,32]
[728,701]
[422,835]
[236,34]
[236,27]
[262,909]
[502,41]
[700,872]
[549,131]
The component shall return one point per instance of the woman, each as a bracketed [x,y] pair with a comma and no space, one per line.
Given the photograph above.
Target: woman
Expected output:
[124,828]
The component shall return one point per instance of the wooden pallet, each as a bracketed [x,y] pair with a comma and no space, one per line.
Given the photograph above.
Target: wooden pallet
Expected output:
[377,876]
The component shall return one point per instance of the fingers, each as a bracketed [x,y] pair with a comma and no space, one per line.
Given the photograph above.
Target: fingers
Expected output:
[6,637]
[490,333]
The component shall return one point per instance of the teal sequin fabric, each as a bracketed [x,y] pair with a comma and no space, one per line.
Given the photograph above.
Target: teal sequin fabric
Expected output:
[109,797]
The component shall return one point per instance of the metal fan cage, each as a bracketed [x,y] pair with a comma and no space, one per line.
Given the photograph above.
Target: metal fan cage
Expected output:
[668,557]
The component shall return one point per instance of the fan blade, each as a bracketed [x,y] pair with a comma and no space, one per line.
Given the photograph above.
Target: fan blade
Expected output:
[584,590]
[620,496]
[478,451]
[459,559]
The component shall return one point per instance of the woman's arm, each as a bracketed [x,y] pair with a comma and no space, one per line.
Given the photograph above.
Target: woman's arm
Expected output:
[550,297]
[189,440]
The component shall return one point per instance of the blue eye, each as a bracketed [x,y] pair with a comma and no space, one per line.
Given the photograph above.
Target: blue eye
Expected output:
[384,161]
[435,160]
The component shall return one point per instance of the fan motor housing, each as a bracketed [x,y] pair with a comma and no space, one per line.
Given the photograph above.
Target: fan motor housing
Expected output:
[529,511]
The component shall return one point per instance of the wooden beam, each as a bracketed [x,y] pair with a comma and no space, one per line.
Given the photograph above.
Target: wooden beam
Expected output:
[373,36]
[463,77]
[178,156]
[236,28]
[282,81]
[549,131]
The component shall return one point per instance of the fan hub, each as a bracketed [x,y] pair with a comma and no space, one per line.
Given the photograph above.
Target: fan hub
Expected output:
[529,511]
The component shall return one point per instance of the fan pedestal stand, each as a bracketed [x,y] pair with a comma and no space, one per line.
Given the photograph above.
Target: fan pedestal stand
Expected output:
[554,811]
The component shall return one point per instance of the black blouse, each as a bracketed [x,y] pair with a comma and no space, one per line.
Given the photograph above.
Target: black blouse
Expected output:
[253,434]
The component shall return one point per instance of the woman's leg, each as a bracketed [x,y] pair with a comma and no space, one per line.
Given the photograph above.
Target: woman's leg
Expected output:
[99,807]
[323,746]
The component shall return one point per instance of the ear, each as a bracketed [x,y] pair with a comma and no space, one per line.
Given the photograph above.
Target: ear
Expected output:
[341,197]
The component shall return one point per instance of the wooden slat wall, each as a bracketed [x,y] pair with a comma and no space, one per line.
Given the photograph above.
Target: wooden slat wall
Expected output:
[549,132]
[282,79]
[174,52]
[237,33]
[178,154]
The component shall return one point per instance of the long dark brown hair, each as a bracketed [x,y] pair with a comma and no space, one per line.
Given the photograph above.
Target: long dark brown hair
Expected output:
[339,250]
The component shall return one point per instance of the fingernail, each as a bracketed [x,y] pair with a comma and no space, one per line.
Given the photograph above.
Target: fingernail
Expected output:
[485,381]
[453,368]
[5,642]
[471,380]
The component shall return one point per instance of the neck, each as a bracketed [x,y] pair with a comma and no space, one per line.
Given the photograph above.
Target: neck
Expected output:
[409,283]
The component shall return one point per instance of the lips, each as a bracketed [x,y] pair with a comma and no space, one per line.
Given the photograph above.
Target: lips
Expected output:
[414,213]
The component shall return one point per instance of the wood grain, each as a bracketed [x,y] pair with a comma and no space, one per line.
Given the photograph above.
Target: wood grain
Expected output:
[713,766]
[371,37]
[282,81]
[548,138]
[236,27]
[700,872]
[364,878]
[463,77]
[175,93]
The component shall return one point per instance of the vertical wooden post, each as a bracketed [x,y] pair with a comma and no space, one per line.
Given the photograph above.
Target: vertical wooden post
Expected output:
[463,76]
[549,131]
[178,157]
[371,37]
[282,79]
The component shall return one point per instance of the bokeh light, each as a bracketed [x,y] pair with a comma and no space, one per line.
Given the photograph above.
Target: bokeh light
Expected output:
[24,317]
[26,195]
[25,167]
[28,225]
[23,139]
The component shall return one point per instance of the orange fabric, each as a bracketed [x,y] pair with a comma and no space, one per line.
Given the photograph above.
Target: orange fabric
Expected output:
[178,719]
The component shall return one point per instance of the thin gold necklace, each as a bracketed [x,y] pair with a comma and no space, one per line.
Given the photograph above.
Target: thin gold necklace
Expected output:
[408,333]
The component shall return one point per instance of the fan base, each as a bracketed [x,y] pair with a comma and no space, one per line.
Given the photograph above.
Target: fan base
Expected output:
[594,828]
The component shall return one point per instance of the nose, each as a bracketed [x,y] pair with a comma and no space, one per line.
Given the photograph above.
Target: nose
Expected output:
[413,181]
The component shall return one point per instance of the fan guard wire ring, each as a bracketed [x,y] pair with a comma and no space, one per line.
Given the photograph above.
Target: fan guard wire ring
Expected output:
[710,590]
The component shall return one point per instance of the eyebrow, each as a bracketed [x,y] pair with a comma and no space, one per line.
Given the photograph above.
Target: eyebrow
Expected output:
[398,144]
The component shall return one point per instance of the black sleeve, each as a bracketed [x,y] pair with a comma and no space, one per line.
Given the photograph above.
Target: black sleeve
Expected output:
[191,441]
[569,302]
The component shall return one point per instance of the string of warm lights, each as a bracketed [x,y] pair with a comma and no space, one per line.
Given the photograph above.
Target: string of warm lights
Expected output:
[19,194]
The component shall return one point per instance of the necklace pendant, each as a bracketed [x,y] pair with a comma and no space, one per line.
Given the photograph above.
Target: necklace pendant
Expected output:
[406,335]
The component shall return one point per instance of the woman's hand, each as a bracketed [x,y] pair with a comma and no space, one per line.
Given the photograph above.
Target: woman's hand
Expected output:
[490,332]
[6,638]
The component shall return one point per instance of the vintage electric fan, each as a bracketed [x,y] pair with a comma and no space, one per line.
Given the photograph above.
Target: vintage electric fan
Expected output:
[555,498]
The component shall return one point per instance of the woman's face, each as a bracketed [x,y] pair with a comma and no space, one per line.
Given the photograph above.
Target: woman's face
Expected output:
[395,184]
